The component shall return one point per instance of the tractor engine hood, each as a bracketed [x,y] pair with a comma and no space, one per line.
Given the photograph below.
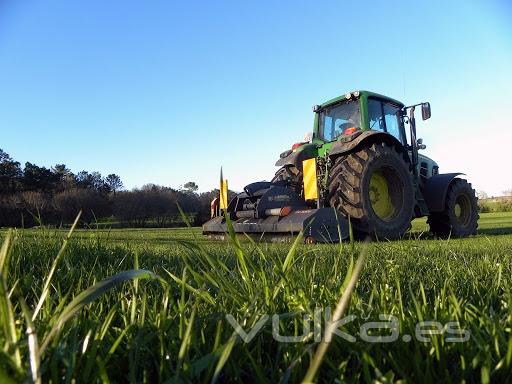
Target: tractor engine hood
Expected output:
[431,164]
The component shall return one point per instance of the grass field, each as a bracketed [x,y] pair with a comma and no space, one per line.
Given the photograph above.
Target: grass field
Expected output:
[170,324]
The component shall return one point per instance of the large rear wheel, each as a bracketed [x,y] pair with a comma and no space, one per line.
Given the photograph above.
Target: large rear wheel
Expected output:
[460,215]
[374,187]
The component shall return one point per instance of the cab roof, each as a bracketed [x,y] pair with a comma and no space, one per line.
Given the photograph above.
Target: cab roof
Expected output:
[361,93]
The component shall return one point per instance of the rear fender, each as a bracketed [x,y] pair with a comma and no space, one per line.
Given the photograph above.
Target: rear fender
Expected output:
[436,189]
[363,139]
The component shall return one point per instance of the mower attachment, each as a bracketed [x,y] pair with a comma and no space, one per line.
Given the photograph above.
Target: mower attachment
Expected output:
[276,212]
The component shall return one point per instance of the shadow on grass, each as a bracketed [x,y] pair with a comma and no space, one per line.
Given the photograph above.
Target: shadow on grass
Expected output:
[495,231]
[499,231]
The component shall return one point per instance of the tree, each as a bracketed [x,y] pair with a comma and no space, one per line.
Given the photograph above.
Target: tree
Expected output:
[37,178]
[83,180]
[98,183]
[36,204]
[10,173]
[482,195]
[114,182]
[92,204]
[191,187]
[93,180]
[127,206]
[151,187]
[65,177]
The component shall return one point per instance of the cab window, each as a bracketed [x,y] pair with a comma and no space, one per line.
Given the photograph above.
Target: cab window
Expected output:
[335,120]
[384,116]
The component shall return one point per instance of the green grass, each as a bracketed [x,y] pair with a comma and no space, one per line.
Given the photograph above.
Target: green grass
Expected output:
[175,327]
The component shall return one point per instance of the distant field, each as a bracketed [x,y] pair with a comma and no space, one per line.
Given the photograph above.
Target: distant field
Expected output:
[146,330]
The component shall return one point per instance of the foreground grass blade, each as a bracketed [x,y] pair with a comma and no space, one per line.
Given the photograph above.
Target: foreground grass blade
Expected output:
[5,253]
[509,352]
[238,249]
[46,287]
[185,343]
[338,312]
[4,379]
[202,294]
[224,356]
[6,312]
[33,345]
[291,253]
[91,294]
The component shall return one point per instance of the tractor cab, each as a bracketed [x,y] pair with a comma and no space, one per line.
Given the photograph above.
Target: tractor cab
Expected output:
[343,118]
[359,111]
[347,116]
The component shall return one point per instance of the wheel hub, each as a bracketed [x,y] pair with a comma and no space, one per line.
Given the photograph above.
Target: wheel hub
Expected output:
[379,196]
[462,209]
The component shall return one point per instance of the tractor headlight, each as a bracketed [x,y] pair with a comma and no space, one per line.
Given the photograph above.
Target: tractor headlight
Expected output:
[356,93]
[348,96]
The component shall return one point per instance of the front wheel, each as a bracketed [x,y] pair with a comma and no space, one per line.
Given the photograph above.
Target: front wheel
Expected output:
[460,215]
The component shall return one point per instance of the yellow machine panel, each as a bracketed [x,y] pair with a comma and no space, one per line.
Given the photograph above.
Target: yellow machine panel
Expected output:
[310,182]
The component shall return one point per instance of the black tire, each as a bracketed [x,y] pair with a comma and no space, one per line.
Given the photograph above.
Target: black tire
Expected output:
[289,176]
[460,215]
[349,190]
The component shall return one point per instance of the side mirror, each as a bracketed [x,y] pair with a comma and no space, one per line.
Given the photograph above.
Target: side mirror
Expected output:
[425,111]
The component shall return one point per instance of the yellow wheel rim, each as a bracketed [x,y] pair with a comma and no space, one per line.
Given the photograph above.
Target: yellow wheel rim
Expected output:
[458,211]
[462,209]
[379,196]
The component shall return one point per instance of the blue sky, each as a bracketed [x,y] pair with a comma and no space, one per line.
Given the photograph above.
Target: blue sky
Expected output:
[167,92]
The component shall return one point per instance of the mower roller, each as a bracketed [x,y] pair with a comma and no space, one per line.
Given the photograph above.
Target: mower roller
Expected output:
[357,166]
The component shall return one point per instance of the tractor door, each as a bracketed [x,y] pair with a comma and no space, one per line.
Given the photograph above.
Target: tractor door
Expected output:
[385,116]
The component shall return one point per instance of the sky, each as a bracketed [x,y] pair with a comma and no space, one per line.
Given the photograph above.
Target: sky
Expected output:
[167,92]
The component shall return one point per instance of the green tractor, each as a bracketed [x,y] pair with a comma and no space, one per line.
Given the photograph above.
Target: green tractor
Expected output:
[361,165]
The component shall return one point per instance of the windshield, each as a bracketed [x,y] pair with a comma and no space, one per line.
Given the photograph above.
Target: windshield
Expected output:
[337,119]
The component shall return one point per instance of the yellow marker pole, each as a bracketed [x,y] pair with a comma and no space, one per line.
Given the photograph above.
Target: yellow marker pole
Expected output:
[223,203]
[310,179]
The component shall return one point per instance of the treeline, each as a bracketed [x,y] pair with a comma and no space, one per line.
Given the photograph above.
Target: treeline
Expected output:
[31,195]
[497,204]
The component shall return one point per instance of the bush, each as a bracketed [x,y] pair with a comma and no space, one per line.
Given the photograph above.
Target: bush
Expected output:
[70,202]
[495,205]
[484,207]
